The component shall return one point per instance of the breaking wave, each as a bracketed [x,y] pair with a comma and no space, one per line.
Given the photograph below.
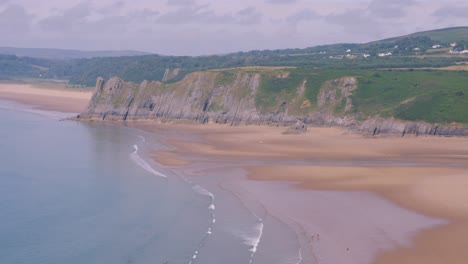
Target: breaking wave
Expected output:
[202,191]
[142,163]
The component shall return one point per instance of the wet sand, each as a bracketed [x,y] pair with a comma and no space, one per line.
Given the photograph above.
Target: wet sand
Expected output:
[425,178]
[73,100]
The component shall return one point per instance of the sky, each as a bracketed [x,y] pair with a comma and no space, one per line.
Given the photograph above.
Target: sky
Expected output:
[202,27]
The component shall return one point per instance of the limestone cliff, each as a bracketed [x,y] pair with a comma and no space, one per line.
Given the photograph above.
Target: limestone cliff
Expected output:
[235,97]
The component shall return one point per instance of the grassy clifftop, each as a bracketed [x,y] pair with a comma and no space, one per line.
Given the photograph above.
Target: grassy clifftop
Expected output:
[417,95]
[426,95]
[264,93]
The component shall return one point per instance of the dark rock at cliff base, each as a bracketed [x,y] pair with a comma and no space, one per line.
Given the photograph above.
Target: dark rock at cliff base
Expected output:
[299,127]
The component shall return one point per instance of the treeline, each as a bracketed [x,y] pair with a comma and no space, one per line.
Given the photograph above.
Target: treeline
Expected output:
[137,69]
[153,67]
[12,66]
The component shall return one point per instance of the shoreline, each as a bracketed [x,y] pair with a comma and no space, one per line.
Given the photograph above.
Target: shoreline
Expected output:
[220,143]
[427,173]
[47,98]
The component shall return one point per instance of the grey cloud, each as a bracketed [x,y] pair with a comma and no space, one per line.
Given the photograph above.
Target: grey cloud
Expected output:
[180,2]
[216,28]
[390,9]
[303,15]
[15,20]
[356,21]
[109,9]
[70,18]
[248,16]
[76,23]
[76,19]
[204,15]
[146,14]
[281,1]
[451,11]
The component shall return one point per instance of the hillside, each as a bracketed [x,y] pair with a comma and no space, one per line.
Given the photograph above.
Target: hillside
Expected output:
[373,101]
[67,54]
[413,51]
[444,35]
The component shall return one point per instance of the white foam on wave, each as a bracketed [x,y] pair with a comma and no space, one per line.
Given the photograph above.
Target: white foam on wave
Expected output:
[203,191]
[142,163]
[253,238]
[299,258]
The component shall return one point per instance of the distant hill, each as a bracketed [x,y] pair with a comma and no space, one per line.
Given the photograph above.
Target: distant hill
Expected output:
[443,35]
[67,54]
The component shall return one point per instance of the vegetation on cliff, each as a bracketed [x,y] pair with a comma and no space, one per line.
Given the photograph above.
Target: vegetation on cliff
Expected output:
[277,93]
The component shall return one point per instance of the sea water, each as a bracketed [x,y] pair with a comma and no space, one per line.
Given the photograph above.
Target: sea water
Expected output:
[73,192]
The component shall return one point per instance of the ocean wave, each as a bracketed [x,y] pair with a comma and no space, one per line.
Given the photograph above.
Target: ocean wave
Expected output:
[252,237]
[142,163]
[299,258]
[203,191]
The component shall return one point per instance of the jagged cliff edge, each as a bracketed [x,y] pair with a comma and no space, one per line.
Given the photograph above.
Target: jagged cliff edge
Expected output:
[202,98]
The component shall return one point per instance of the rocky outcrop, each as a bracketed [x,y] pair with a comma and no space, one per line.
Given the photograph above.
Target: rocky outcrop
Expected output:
[376,126]
[299,127]
[230,97]
[199,97]
[170,74]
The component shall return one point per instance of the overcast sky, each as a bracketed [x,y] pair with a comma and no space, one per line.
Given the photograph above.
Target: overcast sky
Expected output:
[196,27]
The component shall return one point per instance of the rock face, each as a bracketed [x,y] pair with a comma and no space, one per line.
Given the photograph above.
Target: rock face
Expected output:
[299,127]
[217,97]
[198,97]
[378,126]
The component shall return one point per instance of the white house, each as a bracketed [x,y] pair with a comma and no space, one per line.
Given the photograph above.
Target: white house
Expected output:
[348,51]
[416,49]
[453,44]
[436,46]
[365,55]
[385,54]
[459,52]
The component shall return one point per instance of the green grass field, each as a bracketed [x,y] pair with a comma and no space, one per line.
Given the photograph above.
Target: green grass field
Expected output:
[427,95]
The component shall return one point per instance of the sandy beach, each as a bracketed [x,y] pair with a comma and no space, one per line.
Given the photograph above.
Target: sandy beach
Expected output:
[423,178]
[51,98]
